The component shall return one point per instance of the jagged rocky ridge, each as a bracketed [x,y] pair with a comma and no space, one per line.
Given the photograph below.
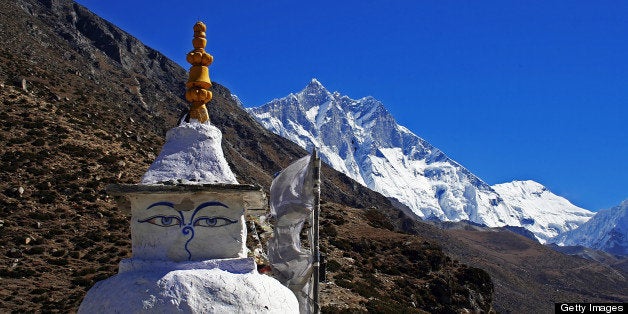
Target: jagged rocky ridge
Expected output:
[361,139]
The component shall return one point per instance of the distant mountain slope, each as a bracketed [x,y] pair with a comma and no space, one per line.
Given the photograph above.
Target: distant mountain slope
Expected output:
[361,139]
[530,277]
[606,231]
[544,213]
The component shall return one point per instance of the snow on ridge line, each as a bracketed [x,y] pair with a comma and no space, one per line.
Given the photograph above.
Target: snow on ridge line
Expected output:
[606,231]
[544,213]
[355,146]
[361,139]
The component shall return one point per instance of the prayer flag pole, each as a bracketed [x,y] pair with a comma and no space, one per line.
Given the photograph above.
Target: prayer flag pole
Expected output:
[316,212]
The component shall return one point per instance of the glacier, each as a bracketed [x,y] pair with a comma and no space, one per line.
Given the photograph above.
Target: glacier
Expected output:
[361,139]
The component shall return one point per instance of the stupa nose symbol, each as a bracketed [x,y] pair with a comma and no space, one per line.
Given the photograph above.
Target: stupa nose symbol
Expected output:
[188,230]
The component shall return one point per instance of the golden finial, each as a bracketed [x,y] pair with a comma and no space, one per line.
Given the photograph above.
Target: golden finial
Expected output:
[198,84]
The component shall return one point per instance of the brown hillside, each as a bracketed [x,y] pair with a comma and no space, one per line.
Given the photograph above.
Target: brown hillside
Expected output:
[528,277]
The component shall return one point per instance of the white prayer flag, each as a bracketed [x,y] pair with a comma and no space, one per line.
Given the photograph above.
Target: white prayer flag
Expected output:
[291,203]
[291,193]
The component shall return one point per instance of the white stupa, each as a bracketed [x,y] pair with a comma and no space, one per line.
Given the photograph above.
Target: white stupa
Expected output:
[188,227]
[192,155]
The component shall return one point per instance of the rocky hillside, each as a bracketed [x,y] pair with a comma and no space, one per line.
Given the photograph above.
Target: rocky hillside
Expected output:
[528,277]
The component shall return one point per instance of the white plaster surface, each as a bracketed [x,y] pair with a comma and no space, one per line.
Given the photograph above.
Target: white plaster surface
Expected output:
[191,155]
[232,265]
[202,289]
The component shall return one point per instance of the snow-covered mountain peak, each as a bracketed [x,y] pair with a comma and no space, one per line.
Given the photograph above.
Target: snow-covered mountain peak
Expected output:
[314,83]
[606,231]
[527,188]
[367,106]
[362,139]
[542,212]
[529,185]
[314,93]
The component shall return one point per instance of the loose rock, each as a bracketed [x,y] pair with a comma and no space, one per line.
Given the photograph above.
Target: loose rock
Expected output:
[14,253]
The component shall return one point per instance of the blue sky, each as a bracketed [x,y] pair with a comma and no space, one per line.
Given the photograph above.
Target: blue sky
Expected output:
[512,90]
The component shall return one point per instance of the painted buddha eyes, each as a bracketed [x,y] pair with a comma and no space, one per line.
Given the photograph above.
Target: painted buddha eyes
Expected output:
[170,221]
[203,221]
[163,221]
[186,226]
[212,222]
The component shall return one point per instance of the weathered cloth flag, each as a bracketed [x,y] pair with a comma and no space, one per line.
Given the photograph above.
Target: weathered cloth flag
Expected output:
[291,203]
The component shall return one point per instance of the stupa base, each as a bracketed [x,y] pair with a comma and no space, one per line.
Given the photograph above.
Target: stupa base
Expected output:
[212,286]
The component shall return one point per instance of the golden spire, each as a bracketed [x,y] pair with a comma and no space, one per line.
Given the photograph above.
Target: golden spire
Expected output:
[198,84]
